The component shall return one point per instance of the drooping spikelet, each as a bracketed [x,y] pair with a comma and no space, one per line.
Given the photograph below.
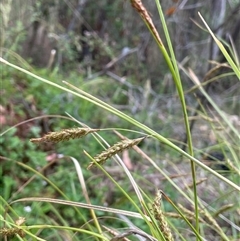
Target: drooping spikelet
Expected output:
[159,216]
[64,135]
[115,234]
[9,232]
[115,149]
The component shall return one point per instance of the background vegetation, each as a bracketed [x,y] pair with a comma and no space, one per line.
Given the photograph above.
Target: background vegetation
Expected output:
[104,48]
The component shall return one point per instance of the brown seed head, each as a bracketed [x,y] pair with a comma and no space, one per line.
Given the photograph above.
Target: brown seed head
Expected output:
[64,135]
[115,149]
[159,216]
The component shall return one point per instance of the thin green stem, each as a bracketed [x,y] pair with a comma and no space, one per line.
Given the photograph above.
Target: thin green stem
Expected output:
[172,64]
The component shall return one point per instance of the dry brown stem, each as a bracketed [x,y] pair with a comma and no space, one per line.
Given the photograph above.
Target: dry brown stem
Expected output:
[138,5]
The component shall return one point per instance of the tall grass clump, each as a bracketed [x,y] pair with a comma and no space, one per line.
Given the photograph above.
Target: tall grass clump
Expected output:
[189,218]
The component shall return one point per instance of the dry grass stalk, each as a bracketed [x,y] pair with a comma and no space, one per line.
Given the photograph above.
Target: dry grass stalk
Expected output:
[198,182]
[114,233]
[64,135]
[232,167]
[159,216]
[115,149]
[137,4]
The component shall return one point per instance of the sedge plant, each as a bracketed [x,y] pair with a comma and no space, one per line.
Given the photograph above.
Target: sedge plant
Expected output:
[148,209]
